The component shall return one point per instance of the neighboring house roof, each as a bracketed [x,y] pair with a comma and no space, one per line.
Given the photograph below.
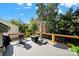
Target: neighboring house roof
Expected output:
[12,28]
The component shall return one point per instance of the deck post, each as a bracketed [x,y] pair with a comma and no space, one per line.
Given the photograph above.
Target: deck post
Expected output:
[53,38]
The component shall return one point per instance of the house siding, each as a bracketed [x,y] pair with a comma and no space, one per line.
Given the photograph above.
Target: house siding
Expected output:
[13,28]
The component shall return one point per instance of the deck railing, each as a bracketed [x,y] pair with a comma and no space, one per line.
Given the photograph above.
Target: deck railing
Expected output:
[54,36]
[15,36]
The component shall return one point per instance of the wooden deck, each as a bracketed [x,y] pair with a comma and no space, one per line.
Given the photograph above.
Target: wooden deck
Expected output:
[30,48]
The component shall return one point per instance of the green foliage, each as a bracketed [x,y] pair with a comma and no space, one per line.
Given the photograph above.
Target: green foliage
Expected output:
[40,11]
[75,49]
[28,29]
[59,23]
[33,25]
[27,34]
[47,13]
[22,26]
[16,22]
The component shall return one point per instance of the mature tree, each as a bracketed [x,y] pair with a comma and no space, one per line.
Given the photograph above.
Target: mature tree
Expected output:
[51,17]
[76,13]
[65,22]
[40,11]
[33,26]
[47,13]
[76,21]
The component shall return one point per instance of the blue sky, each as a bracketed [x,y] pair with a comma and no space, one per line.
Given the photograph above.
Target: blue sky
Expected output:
[28,10]
[64,7]
[17,10]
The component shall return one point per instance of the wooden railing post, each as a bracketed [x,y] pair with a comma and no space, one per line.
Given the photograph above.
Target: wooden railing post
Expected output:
[53,38]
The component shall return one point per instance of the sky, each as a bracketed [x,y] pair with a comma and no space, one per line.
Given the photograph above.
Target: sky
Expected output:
[17,10]
[25,11]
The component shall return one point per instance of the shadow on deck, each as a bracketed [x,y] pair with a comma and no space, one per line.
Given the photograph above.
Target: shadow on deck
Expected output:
[26,46]
[8,51]
[61,46]
[40,42]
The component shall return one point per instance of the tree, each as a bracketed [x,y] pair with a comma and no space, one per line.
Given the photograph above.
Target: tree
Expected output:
[51,17]
[22,26]
[58,23]
[47,13]
[65,24]
[33,25]
[40,11]
[76,22]
[16,21]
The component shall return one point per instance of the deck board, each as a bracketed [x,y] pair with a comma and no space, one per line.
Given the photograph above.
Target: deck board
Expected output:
[29,48]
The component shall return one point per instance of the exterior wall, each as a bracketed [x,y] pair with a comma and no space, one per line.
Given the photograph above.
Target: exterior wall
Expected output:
[13,28]
[1,44]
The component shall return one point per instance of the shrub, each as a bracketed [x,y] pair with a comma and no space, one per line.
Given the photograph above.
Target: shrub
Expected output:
[27,34]
[75,49]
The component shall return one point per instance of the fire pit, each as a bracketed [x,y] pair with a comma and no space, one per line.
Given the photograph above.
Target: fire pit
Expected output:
[35,38]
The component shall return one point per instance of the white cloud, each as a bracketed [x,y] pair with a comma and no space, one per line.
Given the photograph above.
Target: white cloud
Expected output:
[20,3]
[68,4]
[27,7]
[60,11]
[29,4]
[36,8]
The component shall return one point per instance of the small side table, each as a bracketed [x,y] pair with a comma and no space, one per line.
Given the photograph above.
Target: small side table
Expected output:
[35,38]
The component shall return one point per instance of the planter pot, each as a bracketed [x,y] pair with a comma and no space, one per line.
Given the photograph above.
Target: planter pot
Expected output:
[35,38]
